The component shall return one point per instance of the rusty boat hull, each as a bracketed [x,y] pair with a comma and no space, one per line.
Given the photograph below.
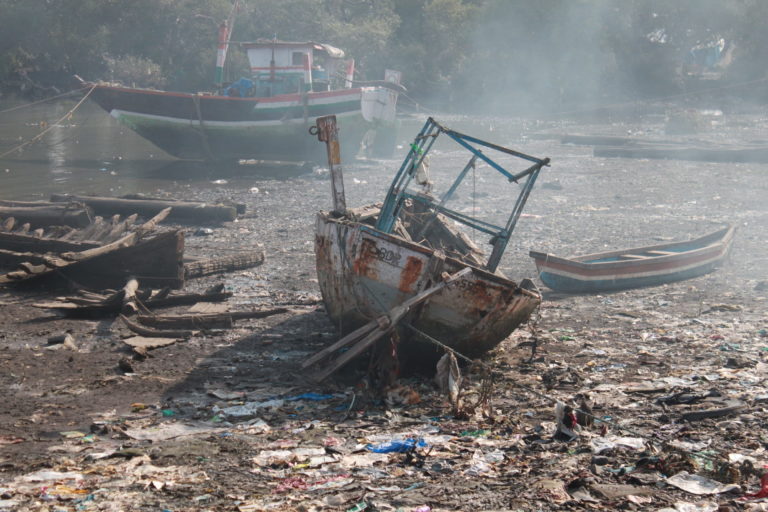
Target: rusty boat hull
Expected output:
[364,272]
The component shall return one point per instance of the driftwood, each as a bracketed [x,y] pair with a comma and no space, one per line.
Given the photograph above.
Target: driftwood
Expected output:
[95,305]
[181,210]
[154,333]
[221,265]
[239,207]
[47,215]
[205,320]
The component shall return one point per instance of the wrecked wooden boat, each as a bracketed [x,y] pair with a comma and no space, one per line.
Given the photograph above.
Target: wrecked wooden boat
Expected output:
[381,268]
[634,268]
[104,254]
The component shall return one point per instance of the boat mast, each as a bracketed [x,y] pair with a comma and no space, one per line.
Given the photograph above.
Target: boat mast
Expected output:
[224,34]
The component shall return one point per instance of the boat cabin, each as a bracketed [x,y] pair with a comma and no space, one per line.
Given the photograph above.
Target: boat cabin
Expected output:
[280,67]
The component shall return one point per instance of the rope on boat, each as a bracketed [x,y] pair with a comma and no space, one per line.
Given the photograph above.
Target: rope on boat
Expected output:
[50,127]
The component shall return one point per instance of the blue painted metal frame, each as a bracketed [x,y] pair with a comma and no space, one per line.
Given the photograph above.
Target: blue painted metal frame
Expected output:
[421,146]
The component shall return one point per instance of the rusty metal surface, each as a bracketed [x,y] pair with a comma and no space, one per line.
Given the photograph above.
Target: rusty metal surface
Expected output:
[363,273]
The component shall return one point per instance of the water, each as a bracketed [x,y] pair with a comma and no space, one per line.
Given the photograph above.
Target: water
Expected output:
[90,153]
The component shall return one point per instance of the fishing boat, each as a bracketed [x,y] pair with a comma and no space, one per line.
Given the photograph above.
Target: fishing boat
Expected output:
[264,116]
[403,266]
[633,268]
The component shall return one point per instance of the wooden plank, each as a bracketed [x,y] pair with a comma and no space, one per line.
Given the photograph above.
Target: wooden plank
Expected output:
[662,253]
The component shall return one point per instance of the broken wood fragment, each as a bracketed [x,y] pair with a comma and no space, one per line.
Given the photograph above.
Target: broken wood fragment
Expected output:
[224,264]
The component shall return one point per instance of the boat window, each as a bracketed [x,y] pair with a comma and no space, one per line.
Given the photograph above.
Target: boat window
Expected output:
[297,59]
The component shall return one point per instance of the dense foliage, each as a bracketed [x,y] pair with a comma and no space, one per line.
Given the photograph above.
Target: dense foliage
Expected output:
[503,55]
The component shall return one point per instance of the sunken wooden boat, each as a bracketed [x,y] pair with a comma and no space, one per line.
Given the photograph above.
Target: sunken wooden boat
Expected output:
[104,254]
[388,263]
[634,268]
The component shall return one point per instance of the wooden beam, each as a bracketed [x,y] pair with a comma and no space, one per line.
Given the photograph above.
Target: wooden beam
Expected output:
[181,210]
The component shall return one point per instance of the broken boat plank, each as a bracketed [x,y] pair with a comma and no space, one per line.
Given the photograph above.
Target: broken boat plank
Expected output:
[181,210]
[224,264]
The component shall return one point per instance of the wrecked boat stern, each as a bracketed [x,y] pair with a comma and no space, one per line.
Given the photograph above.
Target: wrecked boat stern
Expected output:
[363,273]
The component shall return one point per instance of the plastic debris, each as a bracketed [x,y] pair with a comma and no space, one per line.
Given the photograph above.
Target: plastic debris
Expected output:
[696,484]
[402,446]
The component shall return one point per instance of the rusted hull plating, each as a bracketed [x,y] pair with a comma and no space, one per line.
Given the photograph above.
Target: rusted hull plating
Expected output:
[364,273]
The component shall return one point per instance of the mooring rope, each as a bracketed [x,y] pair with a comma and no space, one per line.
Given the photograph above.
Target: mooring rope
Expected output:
[51,98]
[50,127]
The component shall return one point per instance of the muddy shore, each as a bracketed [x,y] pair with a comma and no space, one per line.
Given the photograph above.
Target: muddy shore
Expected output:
[80,433]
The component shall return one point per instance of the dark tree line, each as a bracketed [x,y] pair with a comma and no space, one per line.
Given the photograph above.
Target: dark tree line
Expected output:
[497,55]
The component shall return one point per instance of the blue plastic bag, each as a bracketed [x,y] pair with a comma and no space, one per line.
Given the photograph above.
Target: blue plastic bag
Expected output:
[399,446]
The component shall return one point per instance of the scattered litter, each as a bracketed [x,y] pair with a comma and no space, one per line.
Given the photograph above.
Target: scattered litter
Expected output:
[696,484]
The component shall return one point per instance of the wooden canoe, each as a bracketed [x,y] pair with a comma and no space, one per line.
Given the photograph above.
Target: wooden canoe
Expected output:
[635,268]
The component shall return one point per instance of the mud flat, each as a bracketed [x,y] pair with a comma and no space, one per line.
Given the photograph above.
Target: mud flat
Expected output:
[227,421]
